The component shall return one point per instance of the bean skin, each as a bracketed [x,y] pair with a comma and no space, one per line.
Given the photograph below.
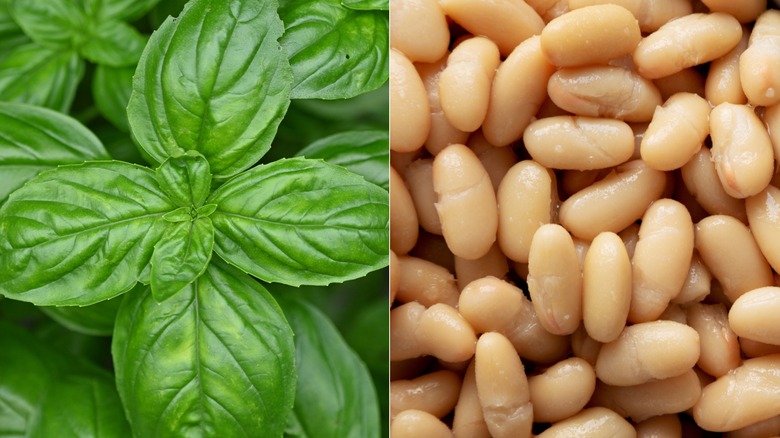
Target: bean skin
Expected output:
[754,315]
[606,287]
[418,28]
[410,118]
[413,423]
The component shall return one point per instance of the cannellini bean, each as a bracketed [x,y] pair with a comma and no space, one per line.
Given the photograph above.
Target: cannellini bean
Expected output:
[590,35]
[579,143]
[554,279]
[754,315]
[697,283]
[656,397]
[751,348]
[741,150]
[492,264]
[418,28]
[614,202]
[561,390]
[765,428]
[441,132]
[772,121]
[685,42]
[763,211]
[404,321]
[647,351]
[517,93]
[419,180]
[723,83]
[744,11]
[395,276]
[464,85]
[466,202]
[410,118]
[443,333]
[413,423]
[549,9]
[469,421]
[435,393]
[749,394]
[585,347]
[719,345]
[507,22]
[502,387]
[662,426]
[591,423]
[676,132]
[759,64]
[490,304]
[606,287]
[687,80]
[403,216]
[604,91]
[661,259]
[527,198]
[496,160]
[731,253]
[425,282]
[651,14]
[701,180]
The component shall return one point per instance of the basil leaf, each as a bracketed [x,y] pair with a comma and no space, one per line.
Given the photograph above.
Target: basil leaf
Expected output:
[111,88]
[214,80]
[363,152]
[335,52]
[40,75]
[127,10]
[95,320]
[335,396]
[58,22]
[33,139]
[366,5]
[47,393]
[113,43]
[11,34]
[80,234]
[181,256]
[300,221]
[185,179]
[215,359]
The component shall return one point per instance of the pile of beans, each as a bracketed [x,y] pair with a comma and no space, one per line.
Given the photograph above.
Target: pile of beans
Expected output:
[585,218]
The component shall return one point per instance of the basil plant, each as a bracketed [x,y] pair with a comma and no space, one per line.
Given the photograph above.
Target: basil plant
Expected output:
[182,251]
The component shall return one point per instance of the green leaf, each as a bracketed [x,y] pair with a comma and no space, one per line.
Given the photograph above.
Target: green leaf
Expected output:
[216,359]
[300,221]
[335,52]
[335,396]
[11,34]
[33,139]
[59,22]
[111,88]
[95,320]
[40,75]
[181,256]
[366,5]
[214,80]
[185,179]
[113,43]
[80,234]
[363,152]
[48,393]
[127,10]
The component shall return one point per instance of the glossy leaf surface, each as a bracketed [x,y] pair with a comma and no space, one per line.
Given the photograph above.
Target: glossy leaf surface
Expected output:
[59,22]
[335,52]
[300,221]
[214,80]
[335,396]
[363,152]
[367,5]
[40,75]
[111,88]
[216,359]
[80,234]
[46,393]
[181,256]
[186,179]
[33,139]
[113,43]
[95,320]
